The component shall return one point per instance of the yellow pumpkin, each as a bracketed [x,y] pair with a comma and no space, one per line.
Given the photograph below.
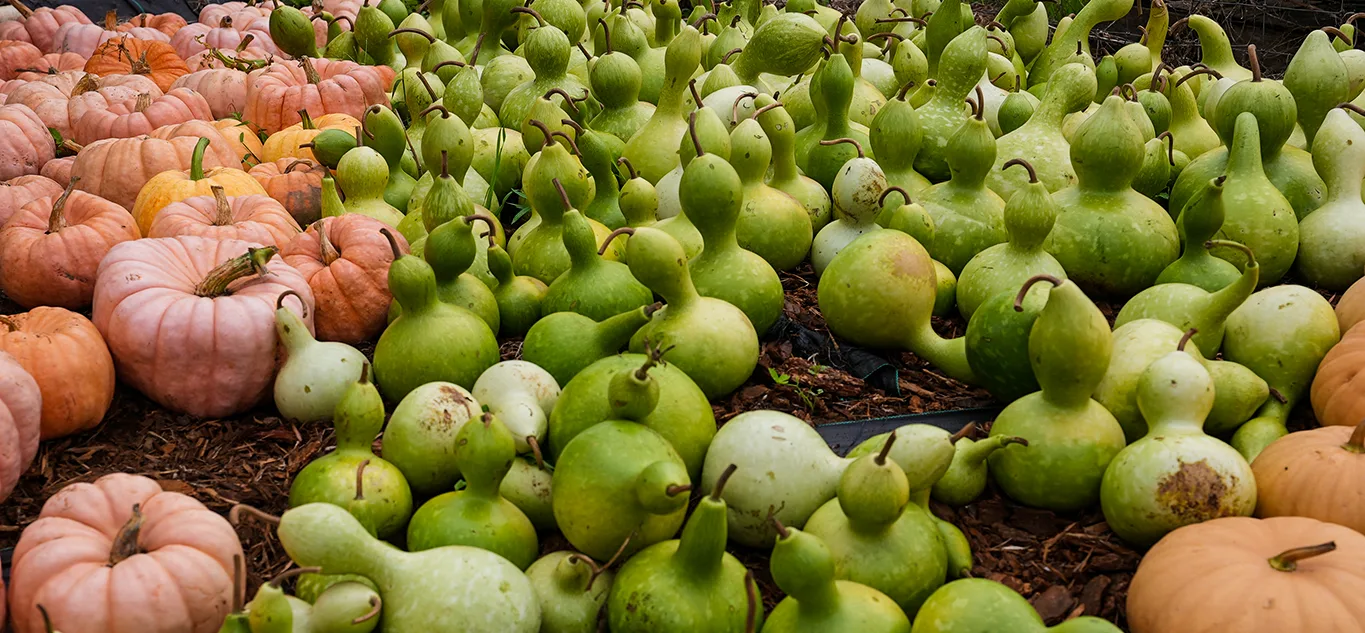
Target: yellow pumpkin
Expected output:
[173,186]
[243,140]
[287,143]
[1319,473]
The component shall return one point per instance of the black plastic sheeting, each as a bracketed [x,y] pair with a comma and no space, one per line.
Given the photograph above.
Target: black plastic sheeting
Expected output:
[95,9]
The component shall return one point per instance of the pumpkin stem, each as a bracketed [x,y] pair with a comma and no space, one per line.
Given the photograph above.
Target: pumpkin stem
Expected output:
[225,23]
[1357,442]
[360,480]
[197,159]
[47,620]
[144,101]
[111,20]
[57,221]
[310,72]
[9,323]
[215,284]
[306,121]
[1288,560]
[125,542]
[224,216]
[24,11]
[327,251]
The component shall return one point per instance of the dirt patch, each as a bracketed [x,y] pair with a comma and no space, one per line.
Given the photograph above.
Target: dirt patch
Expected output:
[1194,491]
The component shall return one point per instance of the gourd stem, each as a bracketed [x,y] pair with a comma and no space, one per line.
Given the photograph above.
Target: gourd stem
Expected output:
[531,12]
[376,605]
[965,431]
[782,531]
[904,90]
[216,282]
[1189,334]
[725,59]
[696,96]
[1353,108]
[734,109]
[606,243]
[422,77]
[481,217]
[764,110]
[235,514]
[1357,442]
[606,34]
[751,596]
[544,131]
[629,167]
[393,243]
[1019,298]
[1170,146]
[47,620]
[692,132]
[290,573]
[539,455]
[431,39]
[881,200]
[1032,173]
[717,489]
[1196,72]
[563,195]
[856,145]
[1288,560]
[360,480]
[569,101]
[598,570]
[1246,250]
[326,251]
[886,449]
[578,129]
[478,44]
[445,163]
[674,490]
[57,221]
[1255,63]
[448,62]
[197,159]
[279,301]
[567,139]
[224,210]
[125,542]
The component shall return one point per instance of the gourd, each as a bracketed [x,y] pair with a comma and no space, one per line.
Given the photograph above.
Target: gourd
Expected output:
[478,515]
[651,149]
[480,592]
[1175,475]
[1281,333]
[420,436]
[1198,223]
[315,375]
[1187,306]
[858,192]
[345,607]
[1028,219]
[519,298]
[1074,41]
[714,137]
[1312,474]
[1332,239]
[572,589]
[896,136]
[1071,438]
[592,286]
[363,175]
[619,485]
[785,45]
[978,605]
[786,176]
[1040,140]
[564,343]
[546,49]
[1319,80]
[966,476]
[384,132]
[963,63]
[451,249]
[968,217]
[687,584]
[715,343]
[431,340]
[683,416]
[616,79]
[1111,239]
[352,477]
[771,223]
[555,183]
[521,395]
[804,568]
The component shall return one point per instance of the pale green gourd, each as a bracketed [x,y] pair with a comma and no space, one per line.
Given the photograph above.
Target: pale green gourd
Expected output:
[616,80]
[896,137]
[314,375]
[978,605]
[832,89]
[1215,49]
[1158,162]
[383,130]
[572,589]
[344,607]
[518,297]
[804,568]
[450,249]
[1066,42]
[363,174]
[652,150]
[964,62]
[1191,307]
[786,176]
[521,394]
[859,189]
[1319,80]
[597,155]
[785,45]
[713,136]
[969,217]
[639,199]
[420,436]
[966,477]
[1198,223]
[771,223]
[555,183]
[546,50]
[1332,239]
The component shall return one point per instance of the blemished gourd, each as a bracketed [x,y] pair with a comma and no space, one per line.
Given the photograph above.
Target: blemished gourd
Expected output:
[858,191]
[420,436]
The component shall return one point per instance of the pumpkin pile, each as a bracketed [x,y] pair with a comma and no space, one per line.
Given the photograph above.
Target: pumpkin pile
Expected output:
[222,215]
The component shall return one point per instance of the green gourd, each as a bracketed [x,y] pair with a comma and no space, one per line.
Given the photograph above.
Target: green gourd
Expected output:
[443,589]
[910,66]
[478,515]
[292,32]
[1106,78]
[963,64]
[413,92]
[715,343]
[1028,217]
[372,28]
[785,45]
[500,157]
[431,340]
[236,621]
[803,567]
[1187,306]
[1040,140]
[688,584]
[966,477]
[1215,51]
[1071,438]
[1139,58]
[639,199]
[858,192]
[769,222]
[877,537]
[1198,223]
[568,16]
[652,150]
[528,485]
[619,485]
[555,183]
[1319,81]
[1155,102]
[914,220]
[330,145]
[939,31]
[616,79]
[1062,49]
[450,250]
[1271,103]
[786,176]
[420,436]
[315,375]
[547,51]
[446,133]
[1015,111]
[413,38]
[494,18]
[362,173]
[564,343]
[1257,214]
[352,477]
[1175,475]
[817,159]
[592,286]
[1331,255]
[446,62]
[1281,333]
[969,217]
[572,589]
[395,9]
[597,156]
[629,38]
[344,607]
[519,298]
[978,605]
[273,611]
[1191,133]
[1111,239]
[713,135]
[1029,31]
[997,344]
[896,136]
[464,94]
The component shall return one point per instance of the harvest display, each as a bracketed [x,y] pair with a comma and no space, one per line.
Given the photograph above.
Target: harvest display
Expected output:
[223,215]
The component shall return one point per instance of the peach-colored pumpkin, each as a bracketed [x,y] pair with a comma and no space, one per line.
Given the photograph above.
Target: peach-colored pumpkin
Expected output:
[16,55]
[321,86]
[21,411]
[253,218]
[41,25]
[14,31]
[47,101]
[242,12]
[173,327]
[173,186]
[295,183]
[346,262]
[197,38]
[243,139]
[168,23]
[1318,473]
[16,193]
[58,170]
[223,88]
[51,248]
[117,169]
[97,118]
[67,357]
[1351,306]
[120,554]
[55,64]
[83,39]
[1338,391]
[132,84]
[1251,576]
[25,142]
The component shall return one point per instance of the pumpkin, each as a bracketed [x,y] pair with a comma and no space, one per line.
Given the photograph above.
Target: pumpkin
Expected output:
[21,410]
[253,218]
[294,183]
[66,80]
[175,185]
[1338,391]
[84,39]
[67,357]
[243,139]
[16,55]
[150,298]
[168,23]
[47,101]
[130,56]
[55,64]
[40,25]
[242,12]
[121,554]
[289,142]
[25,142]
[58,170]
[1351,306]
[14,31]
[346,262]
[94,117]
[1251,576]
[51,248]
[197,38]
[18,192]
[117,169]
[1319,473]
[321,86]
[223,88]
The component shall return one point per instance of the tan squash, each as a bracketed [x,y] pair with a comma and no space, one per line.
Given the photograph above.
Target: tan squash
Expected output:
[1338,391]
[1318,473]
[1351,306]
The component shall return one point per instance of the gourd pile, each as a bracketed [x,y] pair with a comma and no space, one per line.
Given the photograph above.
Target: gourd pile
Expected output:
[239,204]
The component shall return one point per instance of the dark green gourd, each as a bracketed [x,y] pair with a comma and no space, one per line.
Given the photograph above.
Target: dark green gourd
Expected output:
[1071,438]
[383,131]
[1198,223]
[564,343]
[652,150]
[968,217]
[555,182]
[547,51]
[804,568]
[997,342]
[1040,140]
[1112,240]
[771,223]
[592,286]
[519,297]
[896,137]
[786,177]
[962,65]
[1191,307]
[616,80]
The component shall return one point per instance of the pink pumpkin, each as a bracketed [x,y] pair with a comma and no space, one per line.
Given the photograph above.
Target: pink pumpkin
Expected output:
[14,31]
[42,24]
[21,411]
[47,101]
[58,170]
[346,261]
[240,12]
[223,88]
[183,312]
[116,169]
[16,56]
[69,65]
[100,118]
[25,143]
[16,193]
[254,218]
[83,39]
[196,38]
[275,95]
[120,554]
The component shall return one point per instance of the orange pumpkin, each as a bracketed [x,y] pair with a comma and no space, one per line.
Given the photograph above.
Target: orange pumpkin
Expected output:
[290,142]
[321,86]
[50,249]
[65,354]
[1351,306]
[174,185]
[16,193]
[116,169]
[243,140]
[129,56]
[101,118]
[346,262]
[25,142]
[1251,576]
[168,23]
[294,183]
[120,554]
[21,413]
[15,56]
[1338,391]
[223,88]
[1319,473]
[58,170]
[254,218]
